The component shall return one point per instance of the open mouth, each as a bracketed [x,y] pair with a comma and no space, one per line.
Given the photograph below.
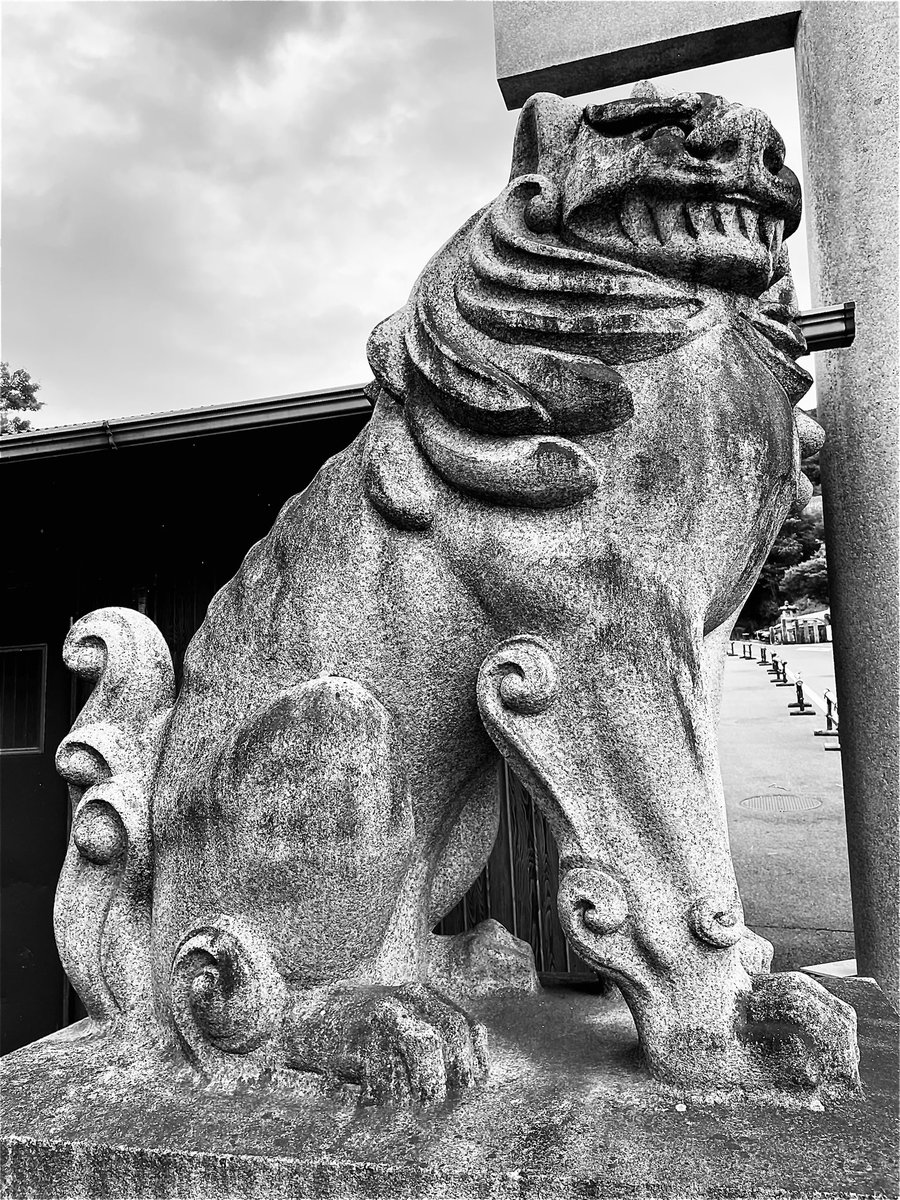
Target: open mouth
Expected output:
[725,242]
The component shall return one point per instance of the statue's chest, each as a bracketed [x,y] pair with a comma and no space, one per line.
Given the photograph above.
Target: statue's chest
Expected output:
[687,489]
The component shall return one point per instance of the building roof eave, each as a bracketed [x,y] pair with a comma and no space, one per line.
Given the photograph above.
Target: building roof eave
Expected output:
[242,415]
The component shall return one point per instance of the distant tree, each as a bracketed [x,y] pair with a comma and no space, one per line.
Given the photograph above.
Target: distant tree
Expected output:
[804,605]
[799,538]
[17,394]
[807,580]
[813,472]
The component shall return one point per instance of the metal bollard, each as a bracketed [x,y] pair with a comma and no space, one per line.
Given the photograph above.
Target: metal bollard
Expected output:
[832,708]
[831,722]
[782,681]
[802,709]
[762,657]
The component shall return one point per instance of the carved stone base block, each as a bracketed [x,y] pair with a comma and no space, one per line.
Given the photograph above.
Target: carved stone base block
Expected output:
[568,1111]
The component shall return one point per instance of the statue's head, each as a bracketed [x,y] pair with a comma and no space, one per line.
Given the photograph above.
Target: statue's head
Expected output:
[690,187]
[627,231]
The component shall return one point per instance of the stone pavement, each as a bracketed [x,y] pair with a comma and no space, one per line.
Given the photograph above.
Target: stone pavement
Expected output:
[791,866]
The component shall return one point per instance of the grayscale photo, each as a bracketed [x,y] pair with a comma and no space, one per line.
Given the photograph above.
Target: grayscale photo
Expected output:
[449,653]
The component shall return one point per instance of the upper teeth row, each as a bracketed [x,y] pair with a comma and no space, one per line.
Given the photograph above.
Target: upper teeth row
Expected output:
[662,220]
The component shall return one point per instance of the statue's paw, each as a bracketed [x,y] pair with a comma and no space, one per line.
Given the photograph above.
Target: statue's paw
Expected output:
[801,1035]
[755,953]
[480,961]
[410,1044]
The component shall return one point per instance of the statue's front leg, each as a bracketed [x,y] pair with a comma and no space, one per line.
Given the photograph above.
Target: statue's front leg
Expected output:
[617,744]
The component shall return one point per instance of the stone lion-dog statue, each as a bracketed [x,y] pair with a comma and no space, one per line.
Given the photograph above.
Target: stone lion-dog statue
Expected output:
[583,444]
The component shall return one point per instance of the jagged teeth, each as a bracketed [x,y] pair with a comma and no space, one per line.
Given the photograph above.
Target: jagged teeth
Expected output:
[699,218]
[660,221]
[726,218]
[778,238]
[748,222]
[667,216]
[771,232]
[636,220]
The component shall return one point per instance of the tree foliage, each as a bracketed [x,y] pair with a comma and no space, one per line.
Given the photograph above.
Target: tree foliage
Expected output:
[17,395]
[800,538]
[807,580]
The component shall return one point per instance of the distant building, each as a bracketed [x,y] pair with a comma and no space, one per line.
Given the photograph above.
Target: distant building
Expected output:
[793,628]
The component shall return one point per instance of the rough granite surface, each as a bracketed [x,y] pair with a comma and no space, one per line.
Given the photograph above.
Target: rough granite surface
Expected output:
[851,153]
[584,442]
[566,1112]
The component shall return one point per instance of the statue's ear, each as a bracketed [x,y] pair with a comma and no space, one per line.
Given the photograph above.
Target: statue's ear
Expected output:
[548,125]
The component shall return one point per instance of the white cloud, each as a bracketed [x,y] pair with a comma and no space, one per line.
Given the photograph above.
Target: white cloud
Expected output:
[207,202]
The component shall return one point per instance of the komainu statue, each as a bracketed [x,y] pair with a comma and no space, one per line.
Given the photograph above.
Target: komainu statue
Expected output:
[584,441]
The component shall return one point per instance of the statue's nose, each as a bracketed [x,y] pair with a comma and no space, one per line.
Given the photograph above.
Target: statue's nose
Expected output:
[742,139]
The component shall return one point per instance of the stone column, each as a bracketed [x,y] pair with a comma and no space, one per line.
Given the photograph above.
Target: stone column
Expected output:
[847,84]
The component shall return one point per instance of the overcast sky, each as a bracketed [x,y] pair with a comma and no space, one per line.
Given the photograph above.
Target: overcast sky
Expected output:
[215,201]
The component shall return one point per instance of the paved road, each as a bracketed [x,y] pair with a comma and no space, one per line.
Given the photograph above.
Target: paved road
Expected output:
[791,866]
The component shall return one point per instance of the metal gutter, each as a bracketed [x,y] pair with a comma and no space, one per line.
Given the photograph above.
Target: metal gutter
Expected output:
[829,328]
[242,415]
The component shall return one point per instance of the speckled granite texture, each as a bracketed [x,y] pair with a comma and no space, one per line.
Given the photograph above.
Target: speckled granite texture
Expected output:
[566,1113]
[584,441]
[851,153]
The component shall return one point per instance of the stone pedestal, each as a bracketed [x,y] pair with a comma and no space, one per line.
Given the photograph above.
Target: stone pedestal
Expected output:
[568,1111]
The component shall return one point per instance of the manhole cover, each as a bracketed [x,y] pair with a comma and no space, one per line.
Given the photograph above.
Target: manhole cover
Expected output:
[781,802]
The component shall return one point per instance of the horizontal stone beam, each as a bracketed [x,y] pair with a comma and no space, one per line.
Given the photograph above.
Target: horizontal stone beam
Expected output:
[576,46]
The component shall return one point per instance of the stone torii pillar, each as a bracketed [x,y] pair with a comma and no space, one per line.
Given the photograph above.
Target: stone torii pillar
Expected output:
[846,55]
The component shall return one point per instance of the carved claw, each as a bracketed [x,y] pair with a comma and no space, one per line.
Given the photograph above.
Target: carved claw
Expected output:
[785,1036]
[398,1044]
[801,1035]
[417,1046]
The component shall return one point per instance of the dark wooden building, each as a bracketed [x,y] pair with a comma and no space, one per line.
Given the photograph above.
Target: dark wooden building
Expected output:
[156,513]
